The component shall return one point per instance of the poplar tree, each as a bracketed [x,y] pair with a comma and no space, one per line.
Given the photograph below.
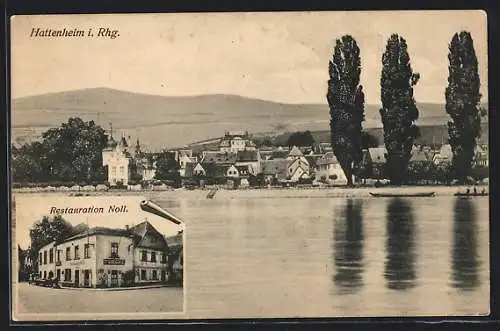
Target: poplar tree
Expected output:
[346,101]
[399,110]
[462,103]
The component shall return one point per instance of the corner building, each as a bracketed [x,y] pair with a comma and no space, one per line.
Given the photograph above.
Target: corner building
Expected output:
[103,257]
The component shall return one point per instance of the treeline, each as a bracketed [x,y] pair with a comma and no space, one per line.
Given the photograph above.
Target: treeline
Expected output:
[47,230]
[69,153]
[399,112]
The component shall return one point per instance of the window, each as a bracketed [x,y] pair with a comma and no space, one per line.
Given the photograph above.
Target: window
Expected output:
[86,251]
[44,257]
[67,275]
[77,253]
[114,250]
[58,256]
[153,256]
[51,255]
[143,274]
[68,253]
[40,259]
[45,275]
[144,256]
[122,171]
[163,258]
[155,275]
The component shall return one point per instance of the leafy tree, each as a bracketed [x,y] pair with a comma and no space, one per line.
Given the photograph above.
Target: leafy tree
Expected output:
[167,168]
[462,103]
[399,110]
[300,138]
[72,152]
[29,163]
[256,180]
[45,231]
[346,101]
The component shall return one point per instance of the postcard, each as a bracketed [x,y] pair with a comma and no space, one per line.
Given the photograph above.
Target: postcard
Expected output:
[90,258]
[323,164]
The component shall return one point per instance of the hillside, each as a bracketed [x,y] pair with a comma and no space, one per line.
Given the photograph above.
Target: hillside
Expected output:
[164,121]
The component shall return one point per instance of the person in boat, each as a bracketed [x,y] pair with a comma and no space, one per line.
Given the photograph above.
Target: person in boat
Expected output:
[468,191]
[475,191]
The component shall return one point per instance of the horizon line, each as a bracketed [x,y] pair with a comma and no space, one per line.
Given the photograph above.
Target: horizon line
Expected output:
[200,95]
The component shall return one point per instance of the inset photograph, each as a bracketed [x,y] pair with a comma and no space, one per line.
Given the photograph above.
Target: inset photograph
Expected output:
[92,257]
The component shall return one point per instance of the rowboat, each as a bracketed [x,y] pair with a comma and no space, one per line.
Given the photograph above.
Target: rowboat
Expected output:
[478,194]
[402,195]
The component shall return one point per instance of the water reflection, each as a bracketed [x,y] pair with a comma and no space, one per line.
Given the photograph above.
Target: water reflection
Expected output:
[464,255]
[348,247]
[400,272]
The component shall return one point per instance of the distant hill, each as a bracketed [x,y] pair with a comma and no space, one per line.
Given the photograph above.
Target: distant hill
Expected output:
[429,134]
[164,121]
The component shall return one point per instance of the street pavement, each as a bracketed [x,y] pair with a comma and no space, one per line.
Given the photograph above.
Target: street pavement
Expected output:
[37,299]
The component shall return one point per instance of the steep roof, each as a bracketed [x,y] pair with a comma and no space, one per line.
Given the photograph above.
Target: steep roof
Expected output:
[295,152]
[445,151]
[328,158]
[419,156]
[99,231]
[274,167]
[219,157]
[142,230]
[174,242]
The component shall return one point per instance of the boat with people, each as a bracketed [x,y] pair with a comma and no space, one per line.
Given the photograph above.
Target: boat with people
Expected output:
[402,195]
[473,193]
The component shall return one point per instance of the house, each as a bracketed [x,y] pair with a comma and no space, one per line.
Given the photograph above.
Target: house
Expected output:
[377,155]
[182,153]
[232,172]
[325,148]
[227,158]
[481,156]
[105,257]
[444,156]
[274,169]
[25,264]
[116,157]
[176,256]
[329,170]
[183,161]
[419,157]
[250,159]
[234,141]
[298,166]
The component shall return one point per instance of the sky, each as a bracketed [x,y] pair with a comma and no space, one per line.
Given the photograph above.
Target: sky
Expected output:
[30,209]
[272,56]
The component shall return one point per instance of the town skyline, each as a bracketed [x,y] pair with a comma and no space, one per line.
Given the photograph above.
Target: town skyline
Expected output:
[184,59]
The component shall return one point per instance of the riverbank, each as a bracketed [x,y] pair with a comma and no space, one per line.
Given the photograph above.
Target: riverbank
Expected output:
[293,192]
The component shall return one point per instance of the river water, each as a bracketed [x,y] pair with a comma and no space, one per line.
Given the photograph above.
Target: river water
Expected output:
[297,256]
[321,257]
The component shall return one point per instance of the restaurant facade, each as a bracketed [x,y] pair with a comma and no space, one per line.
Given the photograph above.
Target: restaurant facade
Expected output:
[104,257]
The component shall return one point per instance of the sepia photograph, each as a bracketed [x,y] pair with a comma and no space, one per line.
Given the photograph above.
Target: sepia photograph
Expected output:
[326,164]
[95,257]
